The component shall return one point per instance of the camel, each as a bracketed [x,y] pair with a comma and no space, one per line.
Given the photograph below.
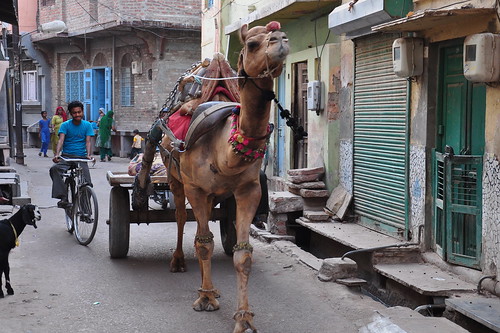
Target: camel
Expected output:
[227,160]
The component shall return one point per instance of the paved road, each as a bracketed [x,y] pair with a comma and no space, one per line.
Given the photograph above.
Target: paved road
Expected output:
[65,287]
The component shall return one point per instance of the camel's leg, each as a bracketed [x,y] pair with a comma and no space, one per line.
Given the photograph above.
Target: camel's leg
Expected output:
[178,264]
[204,244]
[247,201]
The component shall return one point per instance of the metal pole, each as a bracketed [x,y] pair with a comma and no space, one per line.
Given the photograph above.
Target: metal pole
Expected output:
[17,92]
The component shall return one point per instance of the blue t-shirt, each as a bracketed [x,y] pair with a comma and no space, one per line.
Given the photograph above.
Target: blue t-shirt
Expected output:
[76,135]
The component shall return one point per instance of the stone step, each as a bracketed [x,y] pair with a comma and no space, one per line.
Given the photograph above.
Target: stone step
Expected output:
[316,216]
[352,282]
[308,185]
[400,319]
[306,171]
[425,279]
[484,310]
[285,202]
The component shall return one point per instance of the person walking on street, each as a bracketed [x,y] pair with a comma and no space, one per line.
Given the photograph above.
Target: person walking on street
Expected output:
[58,118]
[136,144]
[74,142]
[105,126]
[44,133]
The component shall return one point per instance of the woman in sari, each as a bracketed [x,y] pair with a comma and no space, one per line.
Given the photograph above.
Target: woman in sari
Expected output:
[58,118]
[105,126]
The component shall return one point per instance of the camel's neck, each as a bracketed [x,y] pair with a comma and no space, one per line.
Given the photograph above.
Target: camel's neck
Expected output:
[255,107]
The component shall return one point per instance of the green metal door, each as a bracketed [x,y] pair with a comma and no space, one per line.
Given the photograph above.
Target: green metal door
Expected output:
[458,162]
[380,137]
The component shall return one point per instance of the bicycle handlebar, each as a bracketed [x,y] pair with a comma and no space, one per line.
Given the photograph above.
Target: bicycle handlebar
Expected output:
[78,160]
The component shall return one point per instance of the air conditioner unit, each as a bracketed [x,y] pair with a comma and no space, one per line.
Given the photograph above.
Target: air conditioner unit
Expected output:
[136,67]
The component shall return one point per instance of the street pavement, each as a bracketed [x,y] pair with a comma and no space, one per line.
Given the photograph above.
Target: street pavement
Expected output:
[62,286]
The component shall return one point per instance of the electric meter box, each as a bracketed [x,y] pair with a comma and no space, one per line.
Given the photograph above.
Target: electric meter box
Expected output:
[314,99]
[408,56]
[482,57]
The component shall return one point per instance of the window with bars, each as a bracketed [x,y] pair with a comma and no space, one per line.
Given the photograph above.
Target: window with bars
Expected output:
[30,86]
[127,87]
[74,86]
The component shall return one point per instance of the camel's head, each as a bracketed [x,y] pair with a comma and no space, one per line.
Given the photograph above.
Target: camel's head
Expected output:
[264,50]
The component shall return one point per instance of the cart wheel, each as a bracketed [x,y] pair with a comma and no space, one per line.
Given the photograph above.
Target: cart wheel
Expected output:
[119,222]
[227,225]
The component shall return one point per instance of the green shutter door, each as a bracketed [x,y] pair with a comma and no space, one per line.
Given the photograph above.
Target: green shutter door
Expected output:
[380,137]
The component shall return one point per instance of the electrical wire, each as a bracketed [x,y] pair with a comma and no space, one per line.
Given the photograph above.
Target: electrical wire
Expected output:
[319,54]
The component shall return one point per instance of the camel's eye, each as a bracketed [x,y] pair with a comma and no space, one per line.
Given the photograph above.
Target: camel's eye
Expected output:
[252,45]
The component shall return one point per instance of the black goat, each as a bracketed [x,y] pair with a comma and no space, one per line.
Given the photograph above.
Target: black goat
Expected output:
[10,230]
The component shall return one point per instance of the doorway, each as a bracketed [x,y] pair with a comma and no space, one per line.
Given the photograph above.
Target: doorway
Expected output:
[299,112]
[97,91]
[458,161]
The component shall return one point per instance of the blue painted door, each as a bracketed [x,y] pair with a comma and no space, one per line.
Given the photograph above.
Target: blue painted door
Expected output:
[99,89]
[108,100]
[87,93]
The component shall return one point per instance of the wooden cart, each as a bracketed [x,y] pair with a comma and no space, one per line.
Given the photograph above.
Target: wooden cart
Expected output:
[121,215]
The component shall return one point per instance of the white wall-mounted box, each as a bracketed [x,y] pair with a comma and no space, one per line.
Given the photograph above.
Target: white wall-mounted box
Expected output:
[408,56]
[482,57]
[136,67]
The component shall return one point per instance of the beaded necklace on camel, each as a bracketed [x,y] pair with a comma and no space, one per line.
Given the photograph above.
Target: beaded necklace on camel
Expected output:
[240,142]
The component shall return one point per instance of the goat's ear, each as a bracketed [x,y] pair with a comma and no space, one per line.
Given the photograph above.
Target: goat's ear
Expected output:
[243,33]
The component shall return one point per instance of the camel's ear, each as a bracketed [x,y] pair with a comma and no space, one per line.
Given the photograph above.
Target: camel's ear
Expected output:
[240,61]
[243,33]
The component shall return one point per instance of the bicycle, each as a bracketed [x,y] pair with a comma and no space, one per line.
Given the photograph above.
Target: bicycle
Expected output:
[82,214]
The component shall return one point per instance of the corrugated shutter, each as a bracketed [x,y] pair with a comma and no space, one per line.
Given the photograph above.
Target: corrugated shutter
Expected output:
[380,136]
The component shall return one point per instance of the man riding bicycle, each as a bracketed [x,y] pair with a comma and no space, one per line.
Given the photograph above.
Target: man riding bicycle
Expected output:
[74,142]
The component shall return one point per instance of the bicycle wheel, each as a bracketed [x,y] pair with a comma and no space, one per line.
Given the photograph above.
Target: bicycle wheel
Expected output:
[69,212]
[86,215]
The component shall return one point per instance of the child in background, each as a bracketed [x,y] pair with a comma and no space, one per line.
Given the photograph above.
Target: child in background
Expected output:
[136,144]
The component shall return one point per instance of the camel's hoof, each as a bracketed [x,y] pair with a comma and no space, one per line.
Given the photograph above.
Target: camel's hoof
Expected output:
[10,291]
[177,266]
[244,322]
[204,304]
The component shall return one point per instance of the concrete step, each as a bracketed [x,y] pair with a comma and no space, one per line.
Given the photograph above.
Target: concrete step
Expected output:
[484,310]
[400,319]
[425,279]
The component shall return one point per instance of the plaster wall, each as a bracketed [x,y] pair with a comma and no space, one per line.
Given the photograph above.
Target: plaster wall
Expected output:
[346,114]
[27,15]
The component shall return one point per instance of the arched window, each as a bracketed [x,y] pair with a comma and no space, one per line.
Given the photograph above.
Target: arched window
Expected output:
[74,80]
[100,60]
[126,81]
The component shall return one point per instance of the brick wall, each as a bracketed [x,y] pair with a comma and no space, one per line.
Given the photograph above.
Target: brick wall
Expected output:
[151,88]
[83,14]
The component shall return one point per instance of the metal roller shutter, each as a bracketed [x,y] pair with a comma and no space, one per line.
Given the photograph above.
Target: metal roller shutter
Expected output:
[380,136]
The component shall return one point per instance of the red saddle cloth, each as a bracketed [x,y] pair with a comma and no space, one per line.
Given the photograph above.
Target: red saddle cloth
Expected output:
[179,124]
